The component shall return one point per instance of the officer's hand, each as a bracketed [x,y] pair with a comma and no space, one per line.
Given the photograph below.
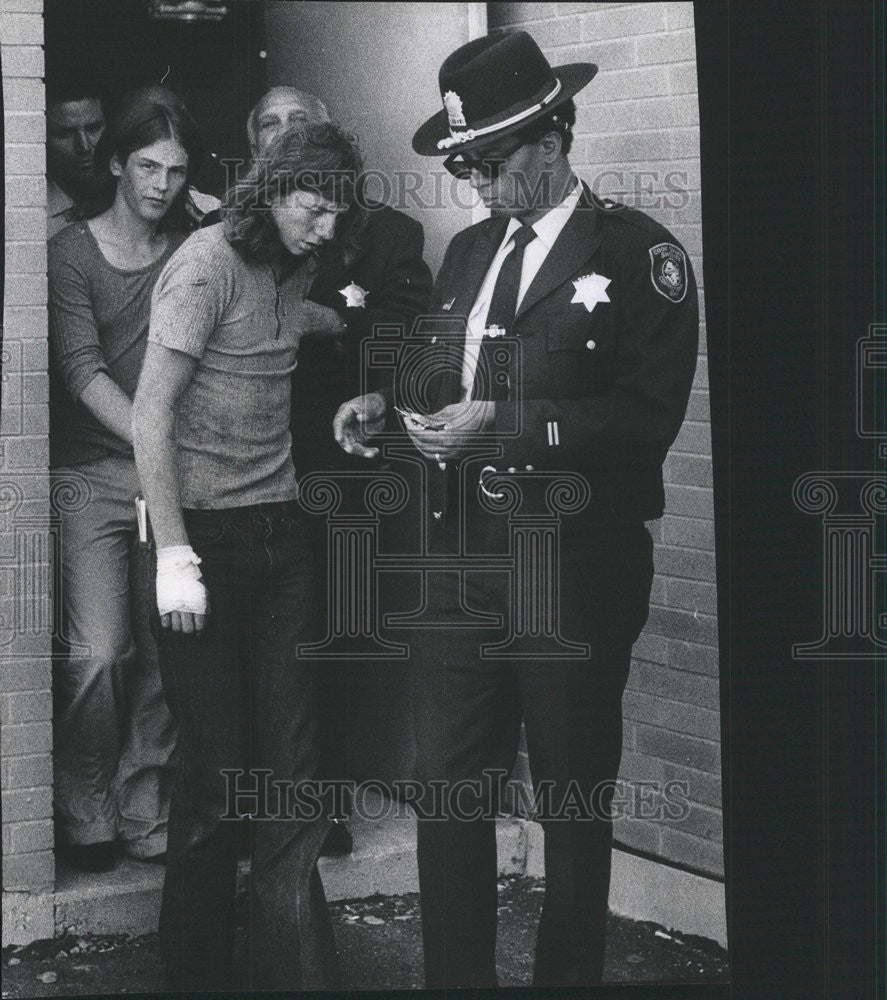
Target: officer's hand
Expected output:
[446,434]
[357,421]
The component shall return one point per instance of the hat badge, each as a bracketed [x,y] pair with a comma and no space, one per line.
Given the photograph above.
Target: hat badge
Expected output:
[453,104]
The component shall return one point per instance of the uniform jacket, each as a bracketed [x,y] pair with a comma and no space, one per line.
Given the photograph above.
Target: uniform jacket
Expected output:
[389,267]
[608,337]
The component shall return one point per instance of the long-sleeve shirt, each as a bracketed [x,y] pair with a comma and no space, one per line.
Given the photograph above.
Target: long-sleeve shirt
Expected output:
[98,322]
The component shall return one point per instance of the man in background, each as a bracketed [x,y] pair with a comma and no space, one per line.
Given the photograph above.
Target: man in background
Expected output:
[75,121]
[383,280]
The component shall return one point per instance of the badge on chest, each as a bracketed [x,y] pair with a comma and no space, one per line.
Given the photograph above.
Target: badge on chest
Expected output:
[591,289]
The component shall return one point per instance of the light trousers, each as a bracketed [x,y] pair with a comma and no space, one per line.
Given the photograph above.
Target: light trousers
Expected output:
[114,736]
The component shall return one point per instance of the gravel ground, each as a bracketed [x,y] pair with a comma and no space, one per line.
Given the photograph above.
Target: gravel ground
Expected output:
[380,944]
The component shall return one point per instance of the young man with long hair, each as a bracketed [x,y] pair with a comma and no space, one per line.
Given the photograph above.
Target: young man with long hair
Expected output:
[114,738]
[235,580]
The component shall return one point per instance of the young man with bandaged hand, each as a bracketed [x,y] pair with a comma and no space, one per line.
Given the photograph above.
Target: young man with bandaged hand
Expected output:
[235,584]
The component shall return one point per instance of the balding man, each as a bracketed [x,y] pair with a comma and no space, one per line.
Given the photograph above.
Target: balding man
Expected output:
[384,282]
[278,110]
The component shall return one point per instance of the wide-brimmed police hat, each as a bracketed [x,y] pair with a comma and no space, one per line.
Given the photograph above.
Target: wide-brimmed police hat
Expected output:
[493,86]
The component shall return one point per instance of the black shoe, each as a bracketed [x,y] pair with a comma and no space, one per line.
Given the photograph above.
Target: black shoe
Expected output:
[339,841]
[98,857]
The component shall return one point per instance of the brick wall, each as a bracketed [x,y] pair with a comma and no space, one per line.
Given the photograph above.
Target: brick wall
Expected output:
[637,140]
[25,699]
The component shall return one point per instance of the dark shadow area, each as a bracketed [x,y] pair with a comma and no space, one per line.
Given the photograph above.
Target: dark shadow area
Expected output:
[215,66]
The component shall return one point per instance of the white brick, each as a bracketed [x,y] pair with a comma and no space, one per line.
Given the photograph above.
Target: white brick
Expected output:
[25,224]
[689,213]
[627,147]
[22,675]
[28,771]
[26,738]
[23,60]
[661,185]
[30,452]
[36,419]
[32,872]
[36,355]
[22,94]
[676,46]
[23,6]
[27,192]
[25,258]
[675,178]
[653,113]
[24,126]
[26,289]
[682,78]
[690,238]
[678,15]
[21,29]
[557,32]
[25,160]
[623,84]
[30,836]
[23,323]
[625,21]
[620,53]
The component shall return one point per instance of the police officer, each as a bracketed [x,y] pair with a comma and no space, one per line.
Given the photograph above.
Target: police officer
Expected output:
[570,359]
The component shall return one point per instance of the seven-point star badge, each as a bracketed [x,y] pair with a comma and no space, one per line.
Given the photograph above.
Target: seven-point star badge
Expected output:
[355,296]
[590,289]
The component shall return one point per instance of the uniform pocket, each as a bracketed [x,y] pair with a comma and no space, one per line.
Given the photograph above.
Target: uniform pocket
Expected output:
[580,355]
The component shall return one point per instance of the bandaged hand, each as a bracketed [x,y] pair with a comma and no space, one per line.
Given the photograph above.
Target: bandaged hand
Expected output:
[181,595]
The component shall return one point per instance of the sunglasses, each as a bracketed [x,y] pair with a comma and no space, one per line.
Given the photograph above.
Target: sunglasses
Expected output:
[461,165]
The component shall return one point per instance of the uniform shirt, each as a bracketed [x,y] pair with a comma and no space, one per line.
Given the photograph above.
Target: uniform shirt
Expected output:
[608,334]
[243,326]
[547,230]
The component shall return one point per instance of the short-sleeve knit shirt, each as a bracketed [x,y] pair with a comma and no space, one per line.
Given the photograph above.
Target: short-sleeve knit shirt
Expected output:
[232,421]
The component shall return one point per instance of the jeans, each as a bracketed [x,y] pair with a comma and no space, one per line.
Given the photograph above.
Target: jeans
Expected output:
[114,736]
[244,700]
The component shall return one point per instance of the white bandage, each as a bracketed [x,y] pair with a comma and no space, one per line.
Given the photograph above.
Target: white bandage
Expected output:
[179,586]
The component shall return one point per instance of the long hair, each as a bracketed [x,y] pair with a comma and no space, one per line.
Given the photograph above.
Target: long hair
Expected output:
[318,157]
[145,116]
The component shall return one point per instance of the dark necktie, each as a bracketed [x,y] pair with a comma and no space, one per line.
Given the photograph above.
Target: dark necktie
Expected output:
[491,374]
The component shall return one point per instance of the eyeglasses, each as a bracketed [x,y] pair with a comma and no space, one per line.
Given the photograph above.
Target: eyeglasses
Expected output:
[461,165]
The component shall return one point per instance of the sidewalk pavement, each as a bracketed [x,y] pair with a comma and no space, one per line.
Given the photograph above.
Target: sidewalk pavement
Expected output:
[379,941]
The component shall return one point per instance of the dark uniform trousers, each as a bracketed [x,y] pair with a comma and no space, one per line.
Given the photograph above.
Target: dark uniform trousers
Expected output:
[605,342]
[467,713]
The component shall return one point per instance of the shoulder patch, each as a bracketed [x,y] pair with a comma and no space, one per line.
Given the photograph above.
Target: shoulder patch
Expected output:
[668,271]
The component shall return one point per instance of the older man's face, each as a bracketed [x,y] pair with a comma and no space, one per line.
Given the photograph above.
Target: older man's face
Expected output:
[72,130]
[281,112]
